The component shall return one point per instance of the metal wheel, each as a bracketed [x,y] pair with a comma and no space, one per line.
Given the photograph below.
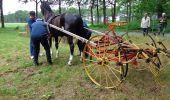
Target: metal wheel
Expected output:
[156,60]
[105,67]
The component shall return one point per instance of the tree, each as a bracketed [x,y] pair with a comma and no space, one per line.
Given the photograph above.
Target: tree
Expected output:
[113,10]
[91,10]
[1,13]
[97,5]
[104,11]
[160,6]
[57,2]
[36,3]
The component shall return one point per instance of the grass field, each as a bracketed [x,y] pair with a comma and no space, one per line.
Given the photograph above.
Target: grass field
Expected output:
[20,80]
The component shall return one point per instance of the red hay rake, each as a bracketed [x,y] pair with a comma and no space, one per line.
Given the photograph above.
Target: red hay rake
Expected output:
[109,60]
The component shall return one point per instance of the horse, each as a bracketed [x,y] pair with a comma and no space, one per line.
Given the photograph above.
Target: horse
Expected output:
[70,22]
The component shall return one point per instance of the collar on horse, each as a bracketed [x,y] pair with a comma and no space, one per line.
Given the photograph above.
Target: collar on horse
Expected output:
[50,18]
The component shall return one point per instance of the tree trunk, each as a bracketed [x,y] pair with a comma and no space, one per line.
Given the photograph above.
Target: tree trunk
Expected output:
[91,10]
[79,8]
[2,15]
[97,12]
[127,12]
[114,17]
[36,11]
[112,10]
[130,10]
[59,6]
[104,12]
[159,9]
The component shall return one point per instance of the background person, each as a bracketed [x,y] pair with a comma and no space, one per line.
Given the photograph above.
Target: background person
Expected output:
[145,24]
[30,21]
[162,24]
[39,34]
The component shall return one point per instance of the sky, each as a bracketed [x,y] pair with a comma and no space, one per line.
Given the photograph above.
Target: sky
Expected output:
[10,6]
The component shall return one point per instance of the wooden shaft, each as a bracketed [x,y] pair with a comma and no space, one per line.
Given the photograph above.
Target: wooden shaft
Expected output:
[71,34]
[95,31]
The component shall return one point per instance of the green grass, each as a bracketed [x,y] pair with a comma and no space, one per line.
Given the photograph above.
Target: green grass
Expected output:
[21,80]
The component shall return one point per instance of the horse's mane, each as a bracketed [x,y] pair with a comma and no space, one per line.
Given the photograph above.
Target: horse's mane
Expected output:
[45,7]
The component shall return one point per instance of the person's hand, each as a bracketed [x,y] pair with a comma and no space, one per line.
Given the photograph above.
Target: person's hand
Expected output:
[49,35]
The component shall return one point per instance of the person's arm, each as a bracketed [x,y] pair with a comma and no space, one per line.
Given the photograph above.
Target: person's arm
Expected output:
[29,24]
[141,23]
[149,21]
[165,19]
[48,30]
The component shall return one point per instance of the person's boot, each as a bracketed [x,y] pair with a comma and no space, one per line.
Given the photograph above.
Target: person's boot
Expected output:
[163,34]
[36,59]
[36,62]
[143,34]
[48,55]
[159,33]
[154,33]
[146,33]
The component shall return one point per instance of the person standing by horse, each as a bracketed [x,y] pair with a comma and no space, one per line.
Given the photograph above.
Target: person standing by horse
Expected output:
[162,24]
[30,21]
[145,24]
[39,34]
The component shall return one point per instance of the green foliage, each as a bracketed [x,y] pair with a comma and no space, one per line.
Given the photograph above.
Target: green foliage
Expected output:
[48,95]
[98,26]
[8,91]
[134,25]
[18,16]
[168,27]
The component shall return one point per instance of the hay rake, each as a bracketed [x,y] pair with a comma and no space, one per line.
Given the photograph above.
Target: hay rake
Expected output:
[111,55]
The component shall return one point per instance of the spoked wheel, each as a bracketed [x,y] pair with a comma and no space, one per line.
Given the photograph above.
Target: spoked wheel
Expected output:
[155,66]
[156,60]
[105,67]
[162,55]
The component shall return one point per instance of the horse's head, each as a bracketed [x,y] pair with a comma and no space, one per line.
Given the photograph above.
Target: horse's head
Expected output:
[45,7]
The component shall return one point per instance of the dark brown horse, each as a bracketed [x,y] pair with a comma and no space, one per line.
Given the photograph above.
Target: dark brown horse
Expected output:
[70,22]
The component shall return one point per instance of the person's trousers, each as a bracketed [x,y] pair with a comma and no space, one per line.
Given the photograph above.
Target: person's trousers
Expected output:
[162,29]
[36,44]
[145,31]
[31,48]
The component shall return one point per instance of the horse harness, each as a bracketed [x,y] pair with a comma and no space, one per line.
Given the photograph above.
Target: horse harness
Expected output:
[50,18]
[49,21]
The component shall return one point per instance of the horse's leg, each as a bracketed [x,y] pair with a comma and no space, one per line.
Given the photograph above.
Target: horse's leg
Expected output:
[81,47]
[71,44]
[56,45]
[50,44]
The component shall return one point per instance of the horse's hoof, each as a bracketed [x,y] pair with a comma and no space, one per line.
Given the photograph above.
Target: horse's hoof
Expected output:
[41,54]
[69,63]
[57,56]
[81,59]
[51,52]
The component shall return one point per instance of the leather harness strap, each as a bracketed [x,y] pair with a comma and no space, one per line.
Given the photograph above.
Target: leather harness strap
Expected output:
[51,18]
